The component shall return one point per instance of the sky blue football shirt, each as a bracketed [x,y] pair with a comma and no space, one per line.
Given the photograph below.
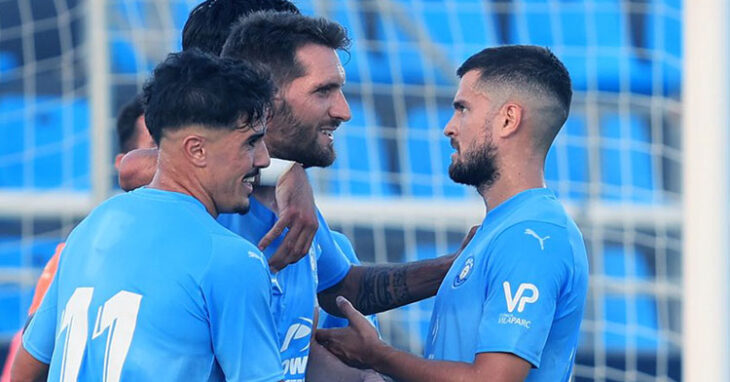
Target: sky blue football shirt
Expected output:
[518,287]
[296,286]
[151,288]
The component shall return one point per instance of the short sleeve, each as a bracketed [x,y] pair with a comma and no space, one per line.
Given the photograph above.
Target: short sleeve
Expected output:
[332,264]
[237,291]
[40,335]
[527,267]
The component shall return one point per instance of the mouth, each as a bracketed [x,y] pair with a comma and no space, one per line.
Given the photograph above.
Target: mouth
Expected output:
[329,131]
[250,178]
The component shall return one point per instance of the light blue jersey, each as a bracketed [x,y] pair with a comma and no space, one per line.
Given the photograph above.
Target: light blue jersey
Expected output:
[519,287]
[296,286]
[151,288]
[326,320]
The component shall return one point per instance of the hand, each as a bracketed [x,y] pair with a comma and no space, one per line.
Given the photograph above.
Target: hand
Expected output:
[137,168]
[470,235]
[372,376]
[295,201]
[358,344]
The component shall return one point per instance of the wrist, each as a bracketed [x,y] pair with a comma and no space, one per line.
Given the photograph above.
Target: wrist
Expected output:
[380,355]
[277,168]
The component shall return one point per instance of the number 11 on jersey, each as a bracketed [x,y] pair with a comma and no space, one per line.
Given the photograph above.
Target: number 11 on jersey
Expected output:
[118,315]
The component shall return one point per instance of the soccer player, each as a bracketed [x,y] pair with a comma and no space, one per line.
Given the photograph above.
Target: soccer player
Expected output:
[309,107]
[510,307]
[150,286]
[132,134]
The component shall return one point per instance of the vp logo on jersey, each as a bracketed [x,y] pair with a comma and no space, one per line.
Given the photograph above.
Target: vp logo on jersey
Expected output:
[465,272]
[519,300]
[297,331]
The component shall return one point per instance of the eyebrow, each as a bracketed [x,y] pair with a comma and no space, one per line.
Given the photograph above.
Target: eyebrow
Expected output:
[254,137]
[328,86]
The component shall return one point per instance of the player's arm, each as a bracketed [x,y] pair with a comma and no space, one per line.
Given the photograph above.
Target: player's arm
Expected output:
[377,288]
[359,346]
[297,212]
[324,366]
[34,355]
[27,369]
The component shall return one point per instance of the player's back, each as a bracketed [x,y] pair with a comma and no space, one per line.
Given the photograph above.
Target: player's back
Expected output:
[135,291]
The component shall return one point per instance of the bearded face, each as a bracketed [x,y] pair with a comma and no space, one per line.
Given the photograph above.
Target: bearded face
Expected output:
[475,165]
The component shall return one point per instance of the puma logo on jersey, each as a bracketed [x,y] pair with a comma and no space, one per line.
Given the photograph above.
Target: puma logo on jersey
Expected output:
[532,233]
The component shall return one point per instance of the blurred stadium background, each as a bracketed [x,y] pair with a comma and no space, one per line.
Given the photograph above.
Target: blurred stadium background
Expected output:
[66,66]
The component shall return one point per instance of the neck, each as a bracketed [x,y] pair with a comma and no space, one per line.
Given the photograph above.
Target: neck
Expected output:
[511,182]
[170,178]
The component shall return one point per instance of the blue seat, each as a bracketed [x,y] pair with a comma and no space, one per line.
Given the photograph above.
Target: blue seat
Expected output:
[631,265]
[54,124]
[429,155]
[8,62]
[627,169]
[566,165]
[385,52]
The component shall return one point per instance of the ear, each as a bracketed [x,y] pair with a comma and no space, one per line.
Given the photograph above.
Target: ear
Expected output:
[510,116]
[118,161]
[195,150]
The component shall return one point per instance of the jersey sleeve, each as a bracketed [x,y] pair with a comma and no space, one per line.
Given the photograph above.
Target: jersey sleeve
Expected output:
[237,291]
[332,264]
[40,335]
[527,267]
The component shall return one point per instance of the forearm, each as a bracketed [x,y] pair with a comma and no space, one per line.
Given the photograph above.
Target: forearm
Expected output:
[377,288]
[405,367]
[26,368]
[324,366]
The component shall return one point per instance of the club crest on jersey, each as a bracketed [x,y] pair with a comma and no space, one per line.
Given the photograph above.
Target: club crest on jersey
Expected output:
[465,272]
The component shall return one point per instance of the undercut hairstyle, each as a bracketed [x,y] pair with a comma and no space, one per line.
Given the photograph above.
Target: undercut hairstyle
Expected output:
[127,124]
[531,69]
[209,23]
[273,38]
[196,88]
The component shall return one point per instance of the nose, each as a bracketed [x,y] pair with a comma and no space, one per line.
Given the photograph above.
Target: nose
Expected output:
[450,128]
[340,109]
[261,157]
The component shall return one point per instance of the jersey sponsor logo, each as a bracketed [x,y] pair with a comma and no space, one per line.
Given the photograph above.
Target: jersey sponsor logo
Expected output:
[511,319]
[294,367]
[530,232]
[465,272]
[519,299]
[297,331]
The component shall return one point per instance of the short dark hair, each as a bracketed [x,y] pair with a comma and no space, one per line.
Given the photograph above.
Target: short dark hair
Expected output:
[210,22]
[528,67]
[127,124]
[192,87]
[272,38]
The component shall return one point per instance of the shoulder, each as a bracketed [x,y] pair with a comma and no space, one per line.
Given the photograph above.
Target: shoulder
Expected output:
[533,247]
[230,252]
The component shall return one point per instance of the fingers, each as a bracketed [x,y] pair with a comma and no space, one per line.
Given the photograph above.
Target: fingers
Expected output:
[324,336]
[345,306]
[472,231]
[273,233]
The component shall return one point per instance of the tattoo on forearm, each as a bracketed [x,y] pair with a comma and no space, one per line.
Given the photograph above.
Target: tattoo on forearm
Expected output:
[383,287]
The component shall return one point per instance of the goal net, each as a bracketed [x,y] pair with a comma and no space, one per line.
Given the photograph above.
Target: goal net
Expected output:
[615,164]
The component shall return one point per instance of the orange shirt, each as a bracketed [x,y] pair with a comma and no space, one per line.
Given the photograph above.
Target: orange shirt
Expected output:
[49,272]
